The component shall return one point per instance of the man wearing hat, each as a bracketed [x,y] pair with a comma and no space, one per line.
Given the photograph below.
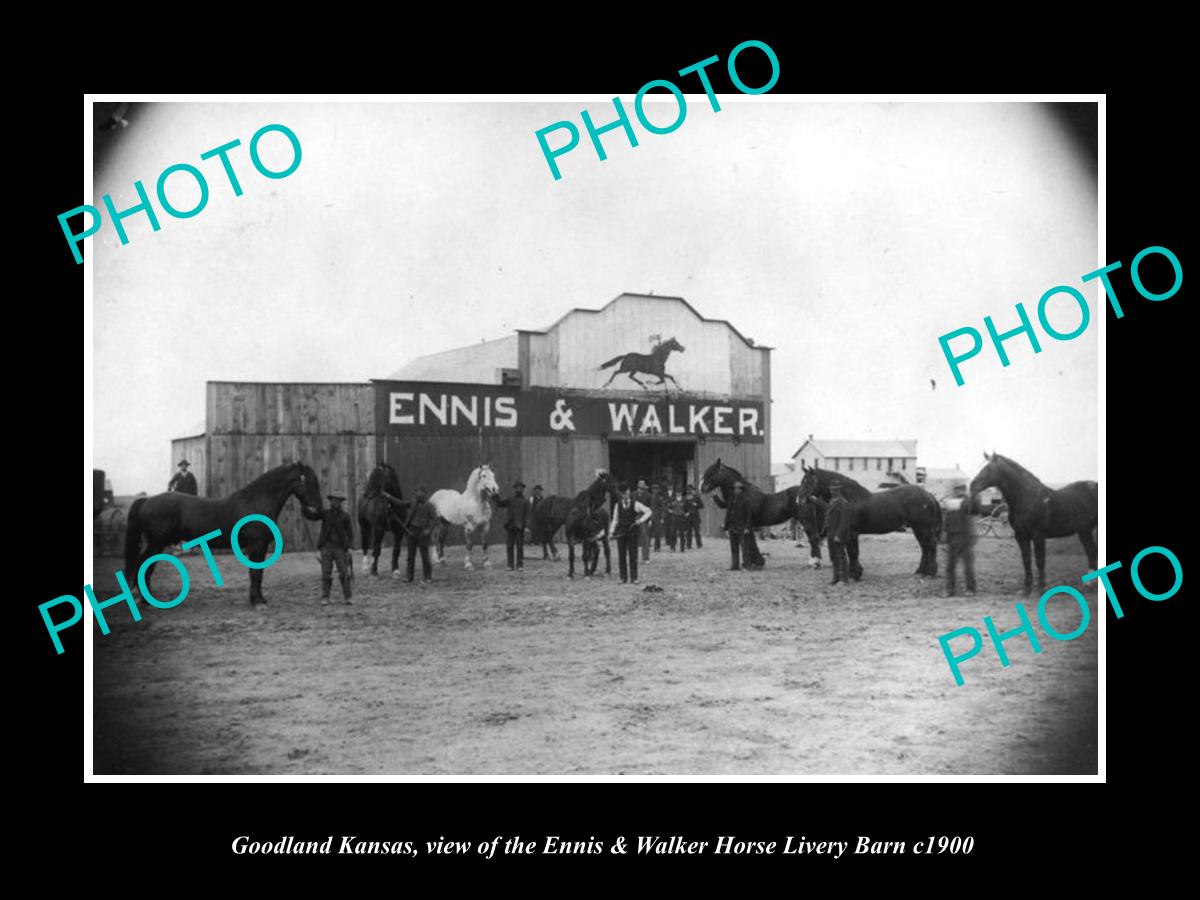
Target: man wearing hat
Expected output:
[737,525]
[628,518]
[337,534]
[422,517]
[518,518]
[837,527]
[693,504]
[960,538]
[642,496]
[183,481]
[537,529]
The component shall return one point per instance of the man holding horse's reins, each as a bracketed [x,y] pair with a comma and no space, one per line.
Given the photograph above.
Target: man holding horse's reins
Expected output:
[337,534]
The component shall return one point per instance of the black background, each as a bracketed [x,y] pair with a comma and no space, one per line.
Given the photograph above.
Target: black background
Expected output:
[1149,486]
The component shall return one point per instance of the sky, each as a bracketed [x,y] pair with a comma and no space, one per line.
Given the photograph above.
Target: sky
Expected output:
[846,236]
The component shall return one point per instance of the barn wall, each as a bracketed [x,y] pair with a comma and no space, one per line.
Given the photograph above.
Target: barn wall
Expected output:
[341,462]
[752,460]
[444,461]
[272,408]
[195,450]
[253,427]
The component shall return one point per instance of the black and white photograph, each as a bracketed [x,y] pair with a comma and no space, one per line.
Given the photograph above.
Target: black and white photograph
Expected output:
[577,446]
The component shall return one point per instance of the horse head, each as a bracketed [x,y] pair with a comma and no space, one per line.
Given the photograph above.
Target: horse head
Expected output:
[485,483]
[304,486]
[715,476]
[809,485]
[671,344]
[988,476]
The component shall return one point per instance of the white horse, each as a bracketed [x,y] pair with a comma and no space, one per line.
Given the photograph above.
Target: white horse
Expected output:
[471,509]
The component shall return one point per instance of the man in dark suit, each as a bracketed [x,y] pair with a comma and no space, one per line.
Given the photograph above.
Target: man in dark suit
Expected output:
[183,481]
[422,517]
[518,518]
[333,543]
[628,518]
[837,528]
[693,504]
[737,524]
[642,496]
[960,538]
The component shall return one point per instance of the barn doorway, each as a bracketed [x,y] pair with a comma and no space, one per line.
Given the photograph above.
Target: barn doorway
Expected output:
[664,462]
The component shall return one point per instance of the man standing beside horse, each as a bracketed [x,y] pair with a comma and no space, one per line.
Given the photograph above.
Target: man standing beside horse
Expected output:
[337,534]
[837,525]
[518,518]
[737,525]
[960,538]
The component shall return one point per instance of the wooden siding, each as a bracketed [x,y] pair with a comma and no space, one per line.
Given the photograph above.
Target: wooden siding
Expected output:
[261,408]
[715,359]
[752,460]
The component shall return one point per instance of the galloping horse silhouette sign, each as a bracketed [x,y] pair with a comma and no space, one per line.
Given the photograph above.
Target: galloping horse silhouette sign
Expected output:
[652,363]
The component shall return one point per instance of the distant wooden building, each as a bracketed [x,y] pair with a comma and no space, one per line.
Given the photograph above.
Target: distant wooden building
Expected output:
[539,406]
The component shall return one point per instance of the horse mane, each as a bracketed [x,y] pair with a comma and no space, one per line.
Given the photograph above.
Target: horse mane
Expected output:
[272,479]
[1026,481]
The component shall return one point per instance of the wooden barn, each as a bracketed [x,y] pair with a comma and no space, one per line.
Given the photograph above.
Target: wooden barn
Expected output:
[547,406]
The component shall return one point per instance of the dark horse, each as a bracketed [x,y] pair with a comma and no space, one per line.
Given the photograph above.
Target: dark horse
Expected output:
[652,363]
[1036,512]
[581,519]
[880,513]
[172,518]
[381,509]
[765,509]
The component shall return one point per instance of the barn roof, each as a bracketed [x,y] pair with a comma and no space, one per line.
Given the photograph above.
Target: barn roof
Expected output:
[663,297]
[945,474]
[476,364]
[829,448]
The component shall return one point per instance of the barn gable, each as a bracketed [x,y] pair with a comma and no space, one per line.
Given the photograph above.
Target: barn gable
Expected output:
[717,359]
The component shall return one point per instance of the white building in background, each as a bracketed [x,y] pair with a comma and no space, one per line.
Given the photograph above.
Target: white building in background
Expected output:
[873,464]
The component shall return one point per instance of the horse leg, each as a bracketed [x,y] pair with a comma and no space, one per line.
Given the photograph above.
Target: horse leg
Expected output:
[377,547]
[607,558]
[467,535]
[673,381]
[151,550]
[814,544]
[616,372]
[570,558]
[442,529]
[1023,543]
[364,528]
[853,568]
[256,553]
[1089,547]
[633,377]
[487,563]
[1039,554]
[397,540]
[928,544]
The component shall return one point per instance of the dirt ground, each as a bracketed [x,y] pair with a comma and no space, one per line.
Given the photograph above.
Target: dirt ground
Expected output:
[487,672]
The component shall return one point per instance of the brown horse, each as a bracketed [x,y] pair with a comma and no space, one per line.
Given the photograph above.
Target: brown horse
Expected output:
[880,513]
[381,509]
[1036,512]
[173,518]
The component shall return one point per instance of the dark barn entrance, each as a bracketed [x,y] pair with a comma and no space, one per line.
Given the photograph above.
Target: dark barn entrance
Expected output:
[665,462]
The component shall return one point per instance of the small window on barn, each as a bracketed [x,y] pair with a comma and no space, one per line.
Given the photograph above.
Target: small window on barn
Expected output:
[879,464]
[904,463]
[836,464]
[852,464]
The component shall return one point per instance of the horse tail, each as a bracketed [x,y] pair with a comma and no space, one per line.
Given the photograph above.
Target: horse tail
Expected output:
[612,362]
[133,535]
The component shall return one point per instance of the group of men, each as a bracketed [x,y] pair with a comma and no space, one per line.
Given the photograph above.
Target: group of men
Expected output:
[640,517]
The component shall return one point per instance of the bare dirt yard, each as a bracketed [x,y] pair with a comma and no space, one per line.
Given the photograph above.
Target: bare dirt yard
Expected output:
[487,672]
